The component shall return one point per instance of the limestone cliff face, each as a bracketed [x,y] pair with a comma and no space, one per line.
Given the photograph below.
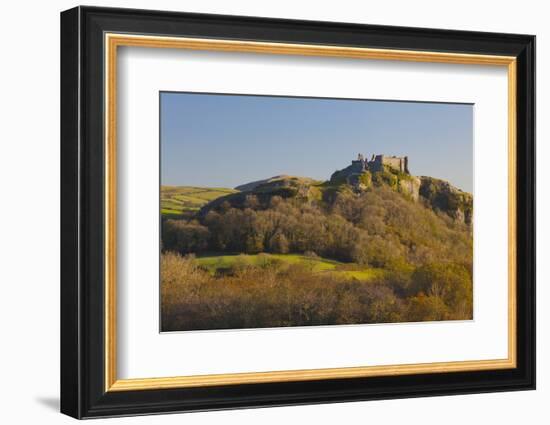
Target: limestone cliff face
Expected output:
[410,187]
[437,194]
[347,174]
[441,195]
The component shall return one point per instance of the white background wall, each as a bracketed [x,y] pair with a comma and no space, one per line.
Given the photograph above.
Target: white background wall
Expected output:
[29,212]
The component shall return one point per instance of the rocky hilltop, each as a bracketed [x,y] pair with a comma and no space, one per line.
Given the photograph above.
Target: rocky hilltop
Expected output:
[361,176]
[393,171]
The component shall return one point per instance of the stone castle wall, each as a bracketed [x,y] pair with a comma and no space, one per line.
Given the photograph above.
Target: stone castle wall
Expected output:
[399,163]
[377,164]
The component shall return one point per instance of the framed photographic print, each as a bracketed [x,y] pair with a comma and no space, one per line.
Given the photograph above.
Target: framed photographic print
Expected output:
[261,212]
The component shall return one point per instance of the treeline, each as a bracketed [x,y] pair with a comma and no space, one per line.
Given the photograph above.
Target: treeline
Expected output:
[379,228]
[426,258]
[276,295]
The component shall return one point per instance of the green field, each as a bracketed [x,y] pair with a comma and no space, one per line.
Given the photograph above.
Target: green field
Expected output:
[215,263]
[184,201]
[363,275]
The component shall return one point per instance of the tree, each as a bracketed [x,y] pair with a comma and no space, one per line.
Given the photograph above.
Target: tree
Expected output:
[184,238]
[279,243]
[424,308]
[448,281]
[252,202]
[254,244]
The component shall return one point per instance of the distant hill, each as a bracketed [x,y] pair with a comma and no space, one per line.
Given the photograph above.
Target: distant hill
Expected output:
[185,201]
[252,185]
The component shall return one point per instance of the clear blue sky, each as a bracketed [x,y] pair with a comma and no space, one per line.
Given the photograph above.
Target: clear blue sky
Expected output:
[227,140]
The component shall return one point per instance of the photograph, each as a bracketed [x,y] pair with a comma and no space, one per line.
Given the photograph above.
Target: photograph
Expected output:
[283,211]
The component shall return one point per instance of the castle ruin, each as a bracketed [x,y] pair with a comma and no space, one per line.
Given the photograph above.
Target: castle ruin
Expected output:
[377,163]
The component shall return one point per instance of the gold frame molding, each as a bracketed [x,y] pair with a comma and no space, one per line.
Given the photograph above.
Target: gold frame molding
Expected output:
[113,41]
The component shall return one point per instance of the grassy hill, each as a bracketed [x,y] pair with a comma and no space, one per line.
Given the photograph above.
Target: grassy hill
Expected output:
[184,201]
